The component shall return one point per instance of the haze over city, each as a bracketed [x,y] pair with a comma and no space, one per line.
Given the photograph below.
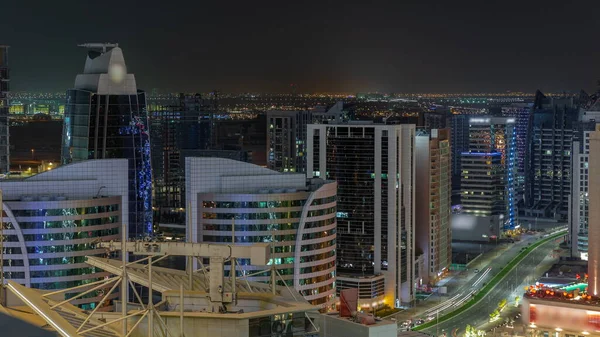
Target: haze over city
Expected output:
[319,46]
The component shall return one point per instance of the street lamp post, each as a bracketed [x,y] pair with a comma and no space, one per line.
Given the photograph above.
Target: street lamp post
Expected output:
[437,322]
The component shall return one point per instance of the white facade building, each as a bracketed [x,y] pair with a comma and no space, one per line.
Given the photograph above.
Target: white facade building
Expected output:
[579,202]
[296,216]
[52,219]
[374,167]
[594,214]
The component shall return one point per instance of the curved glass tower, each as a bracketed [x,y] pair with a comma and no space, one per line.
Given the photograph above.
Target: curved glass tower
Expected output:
[106,117]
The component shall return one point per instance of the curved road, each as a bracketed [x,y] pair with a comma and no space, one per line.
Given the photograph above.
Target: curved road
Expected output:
[526,272]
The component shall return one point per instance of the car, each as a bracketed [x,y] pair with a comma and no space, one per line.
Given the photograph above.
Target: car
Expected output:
[419,322]
[476,271]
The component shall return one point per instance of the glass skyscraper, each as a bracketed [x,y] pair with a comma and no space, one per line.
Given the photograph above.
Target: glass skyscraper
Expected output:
[488,169]
[4,87]
[106,117]
[374,167]
[552,128]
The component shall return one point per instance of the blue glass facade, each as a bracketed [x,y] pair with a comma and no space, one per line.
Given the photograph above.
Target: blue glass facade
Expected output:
[113,126]
[511,177]
[489,184]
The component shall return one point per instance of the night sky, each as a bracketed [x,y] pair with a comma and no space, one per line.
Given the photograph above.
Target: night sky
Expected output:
[263,46]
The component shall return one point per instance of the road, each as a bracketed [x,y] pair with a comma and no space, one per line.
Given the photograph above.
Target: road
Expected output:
[463,285]
[525,273]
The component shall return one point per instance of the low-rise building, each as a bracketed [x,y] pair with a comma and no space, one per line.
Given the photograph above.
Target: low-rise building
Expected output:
[229,199]
[53,219]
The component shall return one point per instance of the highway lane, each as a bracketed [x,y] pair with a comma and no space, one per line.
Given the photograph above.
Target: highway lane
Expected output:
[488,266]
[525,273]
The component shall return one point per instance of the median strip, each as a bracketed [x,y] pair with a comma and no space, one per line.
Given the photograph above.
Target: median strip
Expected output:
[479,296]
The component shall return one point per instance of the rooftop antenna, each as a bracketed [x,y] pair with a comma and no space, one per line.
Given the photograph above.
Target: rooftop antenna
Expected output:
[101,46]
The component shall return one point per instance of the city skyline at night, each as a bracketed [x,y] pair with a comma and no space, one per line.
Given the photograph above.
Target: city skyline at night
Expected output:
[306,169]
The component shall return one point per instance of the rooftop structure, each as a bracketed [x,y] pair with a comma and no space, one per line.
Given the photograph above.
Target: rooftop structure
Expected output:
[198,303]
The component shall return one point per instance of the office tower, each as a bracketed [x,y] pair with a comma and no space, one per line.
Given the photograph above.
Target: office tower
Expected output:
[594,214]
[548,157]
[579,200]
[106,117]
[521,113]
[4,107]
[436,119]
[459,141]
[245,135]
[434,191]
[176,128]
[297,217]
[286,140]
[52,221]
[488,170]
[374,167]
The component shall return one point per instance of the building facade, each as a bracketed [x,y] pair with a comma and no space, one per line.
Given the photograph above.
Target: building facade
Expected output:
[297,217]
[488,170]
[374,167]
[53,219]
[4,110]
[594,214]
[106,117]
[559,318]
[176,129]
[286,140]
[548,157]
[521,113]
[433,200]
[459,143]
[579,200]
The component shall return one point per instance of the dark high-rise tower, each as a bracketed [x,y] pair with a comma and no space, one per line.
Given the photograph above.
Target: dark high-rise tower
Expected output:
[286,140]
[106,117]
[4,141]
[374,166]
[177,130]
[551,130]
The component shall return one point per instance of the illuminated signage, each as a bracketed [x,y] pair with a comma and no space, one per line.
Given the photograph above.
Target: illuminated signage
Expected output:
[479,120]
